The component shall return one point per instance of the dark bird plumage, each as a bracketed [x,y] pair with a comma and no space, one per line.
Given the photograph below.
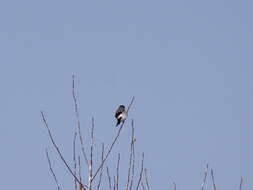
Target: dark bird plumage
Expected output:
[120,114]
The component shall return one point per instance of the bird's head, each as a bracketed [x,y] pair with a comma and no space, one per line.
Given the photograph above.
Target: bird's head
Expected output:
[122,106]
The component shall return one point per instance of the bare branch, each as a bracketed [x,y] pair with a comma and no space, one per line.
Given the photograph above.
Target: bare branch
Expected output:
[101,171]
[143,182]
[80,172]
[81,187]
[142,185]
[240,188]
[80,169]
[74,158]
[133,157]
[107,154]
[78,121]
[91,153]
[59,152]
[114,141]
[109,178]
[140,172]
[117,180]
[146,178]
[174,186]
[52,171]
[205,175]
[128,108]
[214,186]
[114,183]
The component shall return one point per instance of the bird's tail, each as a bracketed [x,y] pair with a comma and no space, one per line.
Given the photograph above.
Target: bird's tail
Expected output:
[118,122]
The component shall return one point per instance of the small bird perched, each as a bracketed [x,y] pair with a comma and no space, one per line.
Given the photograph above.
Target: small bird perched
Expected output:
[120,114]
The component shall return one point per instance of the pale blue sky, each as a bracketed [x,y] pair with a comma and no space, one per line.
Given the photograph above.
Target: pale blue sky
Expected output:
[188,64]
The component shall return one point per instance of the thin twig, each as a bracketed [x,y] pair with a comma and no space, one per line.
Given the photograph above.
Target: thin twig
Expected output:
[109,178]
[107,154]
[52,171]
[143,182]
[91,153]
[174,186]
[128,108]
[74,159]
[59,152]
[140,172]
[78,121]
[240,188]
[114,141]
[143,187]
[80,172]
[117,181]
[130,156]
[146,178]
[114,183]
[214,186]
[80,169]
[205,176]
[133,158]
[101,171]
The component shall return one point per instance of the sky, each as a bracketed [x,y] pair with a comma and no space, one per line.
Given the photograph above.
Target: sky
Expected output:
[187,63]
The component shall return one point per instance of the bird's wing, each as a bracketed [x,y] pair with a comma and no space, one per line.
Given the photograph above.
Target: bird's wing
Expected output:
[117,113]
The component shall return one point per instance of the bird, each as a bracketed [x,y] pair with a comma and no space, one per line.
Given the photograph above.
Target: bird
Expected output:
[120,114]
